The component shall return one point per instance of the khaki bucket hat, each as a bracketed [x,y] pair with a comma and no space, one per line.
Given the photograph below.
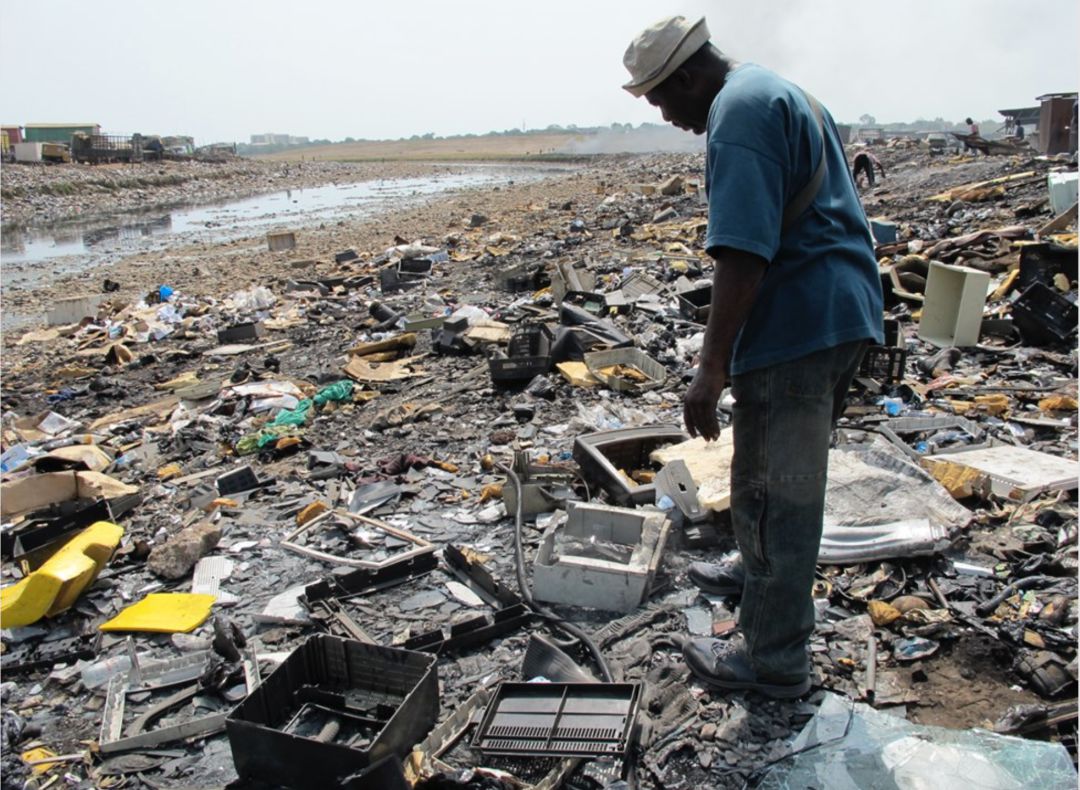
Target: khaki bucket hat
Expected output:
[660,49]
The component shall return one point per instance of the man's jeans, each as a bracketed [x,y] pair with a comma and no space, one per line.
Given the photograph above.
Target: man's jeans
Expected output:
[783,420]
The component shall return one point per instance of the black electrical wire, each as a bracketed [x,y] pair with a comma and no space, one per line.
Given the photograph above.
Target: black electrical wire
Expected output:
[526,592]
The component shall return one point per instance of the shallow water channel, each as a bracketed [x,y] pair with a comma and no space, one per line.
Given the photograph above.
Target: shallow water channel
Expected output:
[32,257]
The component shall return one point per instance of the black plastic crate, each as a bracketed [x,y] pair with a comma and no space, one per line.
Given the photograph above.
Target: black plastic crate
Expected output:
[694,305]
[1040,262]
[884,364]
[559,720]
[345,256]
[1043,315]
[334,707]
[893,337]
[529,355]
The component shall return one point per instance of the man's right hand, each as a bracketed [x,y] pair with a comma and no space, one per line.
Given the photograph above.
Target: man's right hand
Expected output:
[699,403]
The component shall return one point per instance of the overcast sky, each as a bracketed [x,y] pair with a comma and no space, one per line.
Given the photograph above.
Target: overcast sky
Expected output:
[223,70]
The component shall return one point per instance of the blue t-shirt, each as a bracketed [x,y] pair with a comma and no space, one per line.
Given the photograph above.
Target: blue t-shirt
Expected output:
[822,287]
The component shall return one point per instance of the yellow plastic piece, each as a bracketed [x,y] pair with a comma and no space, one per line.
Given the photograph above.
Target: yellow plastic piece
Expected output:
[58,583]
[165,613]
[40,753]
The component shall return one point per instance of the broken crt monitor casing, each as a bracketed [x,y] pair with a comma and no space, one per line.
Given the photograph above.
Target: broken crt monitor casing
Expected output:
[607,458]
[568,571]
[381,700]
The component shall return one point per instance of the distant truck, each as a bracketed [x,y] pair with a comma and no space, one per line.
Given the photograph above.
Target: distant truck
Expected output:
[42,152]
[100,148]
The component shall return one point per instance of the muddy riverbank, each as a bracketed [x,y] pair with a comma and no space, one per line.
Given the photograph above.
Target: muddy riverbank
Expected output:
[36,194]
[141,249]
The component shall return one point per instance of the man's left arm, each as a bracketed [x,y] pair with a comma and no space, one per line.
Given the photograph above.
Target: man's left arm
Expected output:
[736,279]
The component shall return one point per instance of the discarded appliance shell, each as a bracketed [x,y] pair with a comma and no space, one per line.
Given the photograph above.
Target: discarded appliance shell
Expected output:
[601,455]
[675,482]
[694,304]
[237,481]
[953,308]
[279,242]
[600,364]
[391,694]
[72,309]
[1043,315]
[510,611]
[543,488]
[603,584]
[240,333]
[160,675]
[363,581]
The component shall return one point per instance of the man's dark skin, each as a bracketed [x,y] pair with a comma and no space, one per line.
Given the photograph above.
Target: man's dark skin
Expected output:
[684,100]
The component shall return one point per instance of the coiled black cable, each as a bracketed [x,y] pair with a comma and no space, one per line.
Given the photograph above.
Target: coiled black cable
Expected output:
[526,592]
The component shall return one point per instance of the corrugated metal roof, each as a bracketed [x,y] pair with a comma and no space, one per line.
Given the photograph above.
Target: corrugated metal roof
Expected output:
[59,125]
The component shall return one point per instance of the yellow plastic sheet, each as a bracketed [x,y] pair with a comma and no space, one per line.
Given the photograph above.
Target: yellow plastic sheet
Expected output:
[165,613]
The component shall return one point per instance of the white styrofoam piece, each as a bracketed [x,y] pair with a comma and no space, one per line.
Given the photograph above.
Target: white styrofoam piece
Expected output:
[1019,473]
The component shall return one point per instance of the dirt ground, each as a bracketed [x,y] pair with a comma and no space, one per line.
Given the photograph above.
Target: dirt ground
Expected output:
[594,215]
[218,269]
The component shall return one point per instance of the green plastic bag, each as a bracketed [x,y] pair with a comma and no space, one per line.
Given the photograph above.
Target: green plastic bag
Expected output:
[297,416]
[338,391]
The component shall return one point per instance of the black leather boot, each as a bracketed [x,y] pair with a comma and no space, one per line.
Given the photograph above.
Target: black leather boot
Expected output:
[724,664]
[719,578]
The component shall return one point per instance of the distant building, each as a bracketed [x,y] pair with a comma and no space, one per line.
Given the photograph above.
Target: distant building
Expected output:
[9,136]
[277,139]
[57,132]
[871,134]
[1028,117]
[1057,123]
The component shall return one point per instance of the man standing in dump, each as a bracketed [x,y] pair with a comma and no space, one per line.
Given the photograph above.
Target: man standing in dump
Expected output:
[796,297]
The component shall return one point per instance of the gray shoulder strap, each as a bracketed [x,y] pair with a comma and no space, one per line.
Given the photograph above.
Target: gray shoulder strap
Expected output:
[802,201]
